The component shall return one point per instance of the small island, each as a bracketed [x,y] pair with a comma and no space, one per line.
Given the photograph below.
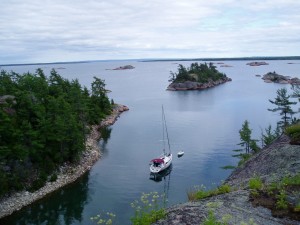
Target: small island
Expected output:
[257,63]
[196,77]
[273,77]
[127,67]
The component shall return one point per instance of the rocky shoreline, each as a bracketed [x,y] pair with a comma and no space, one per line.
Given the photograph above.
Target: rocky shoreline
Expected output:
[68,173]
[193,85]
[273,77]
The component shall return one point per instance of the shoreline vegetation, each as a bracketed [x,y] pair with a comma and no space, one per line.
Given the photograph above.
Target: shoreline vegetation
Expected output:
[68,173]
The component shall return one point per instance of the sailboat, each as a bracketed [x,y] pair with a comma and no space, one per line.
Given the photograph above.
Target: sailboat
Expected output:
[162,162]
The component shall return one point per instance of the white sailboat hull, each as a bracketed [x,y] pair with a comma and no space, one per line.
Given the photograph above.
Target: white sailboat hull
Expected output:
[159,167]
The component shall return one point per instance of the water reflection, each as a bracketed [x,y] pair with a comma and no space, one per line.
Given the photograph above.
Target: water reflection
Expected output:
[158,177]
[64,207]
[164,176]
[105,136]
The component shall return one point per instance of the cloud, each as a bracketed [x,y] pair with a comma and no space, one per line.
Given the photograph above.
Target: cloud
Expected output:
[53,30]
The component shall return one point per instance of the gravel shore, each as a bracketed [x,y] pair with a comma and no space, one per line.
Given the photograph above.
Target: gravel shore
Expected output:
[67,174]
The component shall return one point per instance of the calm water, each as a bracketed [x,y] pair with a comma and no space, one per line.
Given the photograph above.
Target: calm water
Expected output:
[204,124]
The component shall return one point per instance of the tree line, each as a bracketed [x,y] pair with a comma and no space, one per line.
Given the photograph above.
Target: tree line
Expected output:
[201,73]
[44,122]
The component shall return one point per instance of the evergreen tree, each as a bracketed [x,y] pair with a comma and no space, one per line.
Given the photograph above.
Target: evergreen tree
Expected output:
[197,72]
[44,123]
[283,106]
[270,135]
[245,136]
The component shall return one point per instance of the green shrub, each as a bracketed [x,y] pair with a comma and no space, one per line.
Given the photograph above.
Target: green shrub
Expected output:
[255,183]
[53,177]
[149,209]
[294,180]
[212,220]
[243,158]
[281,202]
[37,184]
[293,130]
[225,188]
[200,192]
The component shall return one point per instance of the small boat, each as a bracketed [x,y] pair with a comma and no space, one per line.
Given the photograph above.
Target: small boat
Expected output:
[165,160]
[180,153]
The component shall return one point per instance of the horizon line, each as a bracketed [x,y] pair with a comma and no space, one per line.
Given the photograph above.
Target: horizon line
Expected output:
[163,59]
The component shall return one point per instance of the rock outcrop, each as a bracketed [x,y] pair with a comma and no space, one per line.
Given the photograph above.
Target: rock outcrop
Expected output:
[233,207]
[272,163]
[192,85]
[273,77]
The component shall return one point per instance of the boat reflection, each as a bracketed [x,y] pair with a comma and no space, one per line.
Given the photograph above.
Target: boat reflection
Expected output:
[158,177]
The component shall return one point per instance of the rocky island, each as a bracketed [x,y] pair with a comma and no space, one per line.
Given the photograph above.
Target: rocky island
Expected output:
[196,77]
[275,167]
[257,63]
[273,77]
[127,67]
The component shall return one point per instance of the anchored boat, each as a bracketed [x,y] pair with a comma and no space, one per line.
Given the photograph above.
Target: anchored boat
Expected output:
[165,159]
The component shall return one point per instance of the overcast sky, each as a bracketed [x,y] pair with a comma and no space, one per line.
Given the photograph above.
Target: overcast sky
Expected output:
[74,30]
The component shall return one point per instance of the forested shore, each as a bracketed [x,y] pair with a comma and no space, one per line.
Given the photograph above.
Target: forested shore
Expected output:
[68,172]
[49,132]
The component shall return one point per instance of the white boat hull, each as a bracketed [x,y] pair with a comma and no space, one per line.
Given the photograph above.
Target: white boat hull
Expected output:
[181,153]
[156,168]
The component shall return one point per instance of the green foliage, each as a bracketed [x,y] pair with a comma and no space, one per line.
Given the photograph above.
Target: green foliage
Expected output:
[269,136]
[281,202]
[202,73]
[200,192]
[283,106]
[291,180]
[43,124]
[255,183]
[212,220]
[294,132]
[149,209]
[53,177]
[224,188]
[245,136]
[243,158]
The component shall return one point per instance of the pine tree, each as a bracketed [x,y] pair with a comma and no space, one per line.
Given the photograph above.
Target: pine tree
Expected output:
[283,106]
[245,136]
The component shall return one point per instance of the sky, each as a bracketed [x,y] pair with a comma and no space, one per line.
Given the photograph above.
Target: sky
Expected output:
[35,31]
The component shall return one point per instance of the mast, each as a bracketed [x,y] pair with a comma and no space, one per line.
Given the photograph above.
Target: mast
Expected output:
[165,129]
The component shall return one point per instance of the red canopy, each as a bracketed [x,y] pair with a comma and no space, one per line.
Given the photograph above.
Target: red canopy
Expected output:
[157,160]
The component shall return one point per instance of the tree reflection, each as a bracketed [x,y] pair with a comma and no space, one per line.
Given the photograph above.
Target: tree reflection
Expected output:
[65,206]
[105,135]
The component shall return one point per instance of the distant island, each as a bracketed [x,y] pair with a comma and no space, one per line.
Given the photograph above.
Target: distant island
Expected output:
[196,77]
[273,77]
[257,63]
[127,67]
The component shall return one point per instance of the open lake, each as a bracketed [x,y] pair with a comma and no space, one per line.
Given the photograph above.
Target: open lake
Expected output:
[204,124]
